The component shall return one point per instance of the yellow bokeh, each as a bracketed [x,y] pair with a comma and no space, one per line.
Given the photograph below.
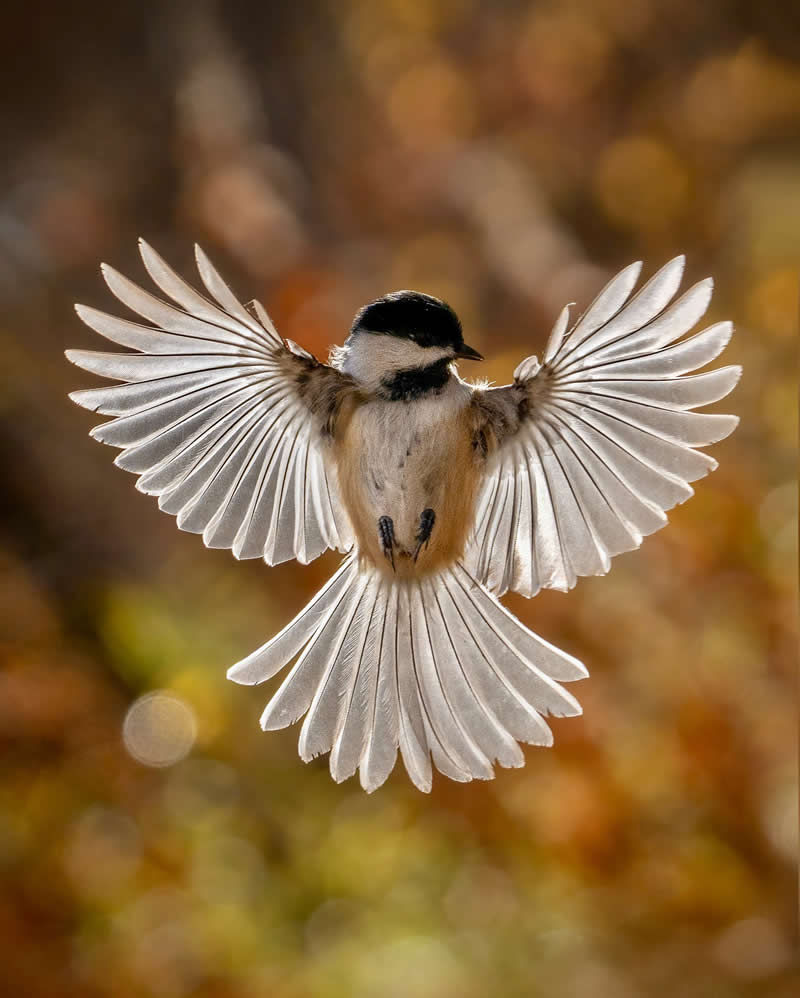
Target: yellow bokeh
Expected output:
[642,185]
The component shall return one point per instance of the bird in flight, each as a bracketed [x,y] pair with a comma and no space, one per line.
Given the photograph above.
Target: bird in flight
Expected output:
[441,494]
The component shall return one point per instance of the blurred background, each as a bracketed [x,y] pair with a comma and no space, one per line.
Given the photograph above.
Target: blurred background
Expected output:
[509,157]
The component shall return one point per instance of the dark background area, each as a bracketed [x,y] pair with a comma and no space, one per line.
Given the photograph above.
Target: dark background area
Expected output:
[508,157]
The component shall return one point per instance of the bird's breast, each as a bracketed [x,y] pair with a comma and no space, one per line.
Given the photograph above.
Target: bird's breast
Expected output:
[397,459]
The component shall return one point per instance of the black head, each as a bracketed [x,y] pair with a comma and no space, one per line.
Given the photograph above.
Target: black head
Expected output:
[412,315]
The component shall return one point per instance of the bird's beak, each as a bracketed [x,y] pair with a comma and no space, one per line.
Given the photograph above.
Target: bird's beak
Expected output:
[467,353]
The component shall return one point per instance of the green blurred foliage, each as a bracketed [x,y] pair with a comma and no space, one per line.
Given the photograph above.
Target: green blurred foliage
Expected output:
[507,156]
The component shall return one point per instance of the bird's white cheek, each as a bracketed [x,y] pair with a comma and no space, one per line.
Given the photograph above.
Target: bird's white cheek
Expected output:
[369,358]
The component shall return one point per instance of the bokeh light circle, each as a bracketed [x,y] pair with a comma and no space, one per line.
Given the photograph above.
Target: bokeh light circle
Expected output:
[159,729]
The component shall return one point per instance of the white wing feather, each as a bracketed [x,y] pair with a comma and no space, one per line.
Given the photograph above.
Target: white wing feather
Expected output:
[209,418]
[608,444]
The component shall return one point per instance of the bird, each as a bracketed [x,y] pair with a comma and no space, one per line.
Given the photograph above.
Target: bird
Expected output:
[441,494]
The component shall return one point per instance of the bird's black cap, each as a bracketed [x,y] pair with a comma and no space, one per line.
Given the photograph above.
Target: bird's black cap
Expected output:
[412,315]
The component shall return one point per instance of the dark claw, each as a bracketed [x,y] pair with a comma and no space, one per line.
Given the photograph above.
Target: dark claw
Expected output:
[427,519]
[386,533]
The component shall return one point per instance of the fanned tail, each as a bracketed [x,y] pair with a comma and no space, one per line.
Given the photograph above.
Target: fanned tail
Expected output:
[435,667]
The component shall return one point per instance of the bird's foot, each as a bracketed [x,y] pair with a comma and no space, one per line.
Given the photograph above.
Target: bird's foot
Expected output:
[386,534]
[427,518]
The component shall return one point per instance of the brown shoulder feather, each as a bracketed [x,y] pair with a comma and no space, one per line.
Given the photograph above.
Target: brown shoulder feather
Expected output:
[496,415]
[322,389]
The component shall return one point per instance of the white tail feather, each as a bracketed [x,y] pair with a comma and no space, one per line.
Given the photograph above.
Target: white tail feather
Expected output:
[434,667]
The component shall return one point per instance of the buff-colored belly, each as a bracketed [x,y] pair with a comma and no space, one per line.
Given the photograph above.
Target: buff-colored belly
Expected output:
[397,459]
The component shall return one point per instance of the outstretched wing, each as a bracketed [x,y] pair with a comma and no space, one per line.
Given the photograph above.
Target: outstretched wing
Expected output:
[587,450]
[220,418]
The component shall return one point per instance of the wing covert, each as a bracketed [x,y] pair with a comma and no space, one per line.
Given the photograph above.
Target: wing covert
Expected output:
[605,437]
[214,415]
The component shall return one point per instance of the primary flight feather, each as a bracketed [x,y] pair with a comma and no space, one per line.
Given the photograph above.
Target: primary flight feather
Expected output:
[442,494]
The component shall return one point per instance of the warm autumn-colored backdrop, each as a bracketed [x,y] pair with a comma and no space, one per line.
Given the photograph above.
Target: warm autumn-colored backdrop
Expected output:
[509,157]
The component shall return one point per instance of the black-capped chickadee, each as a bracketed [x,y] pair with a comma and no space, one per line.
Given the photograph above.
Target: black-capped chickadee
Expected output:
[443,494]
